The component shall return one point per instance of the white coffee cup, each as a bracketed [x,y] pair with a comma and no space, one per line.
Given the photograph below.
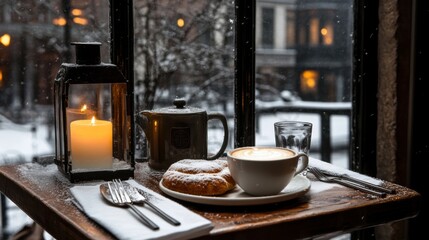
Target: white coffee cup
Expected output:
[263,171]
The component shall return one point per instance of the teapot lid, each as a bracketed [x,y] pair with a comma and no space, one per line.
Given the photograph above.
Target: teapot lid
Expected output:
[179,108]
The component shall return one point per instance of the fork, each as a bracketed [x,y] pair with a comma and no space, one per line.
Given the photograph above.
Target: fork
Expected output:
[324,178]
[358,181]
[120,196]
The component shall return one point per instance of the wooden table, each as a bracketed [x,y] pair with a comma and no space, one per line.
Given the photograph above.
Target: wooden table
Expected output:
[43,193]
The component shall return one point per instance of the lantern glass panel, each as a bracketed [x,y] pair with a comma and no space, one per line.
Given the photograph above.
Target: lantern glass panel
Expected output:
[89,126]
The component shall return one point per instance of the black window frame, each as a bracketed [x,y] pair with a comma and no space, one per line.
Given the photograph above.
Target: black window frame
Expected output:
[364,87]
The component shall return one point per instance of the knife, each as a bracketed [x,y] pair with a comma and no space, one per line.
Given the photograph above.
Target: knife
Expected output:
[139,196]
[359,181]
[161,213]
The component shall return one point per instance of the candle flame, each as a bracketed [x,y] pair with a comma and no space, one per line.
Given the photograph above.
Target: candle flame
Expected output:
[93,120]
[83,109]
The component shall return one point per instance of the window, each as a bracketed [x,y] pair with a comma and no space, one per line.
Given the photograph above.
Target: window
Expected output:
[267,27]
[299,44]
[317,26]
[185,50]
[290,28]
[314,69]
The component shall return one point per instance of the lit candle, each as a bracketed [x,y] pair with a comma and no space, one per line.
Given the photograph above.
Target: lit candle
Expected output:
[91,144]
[73,114]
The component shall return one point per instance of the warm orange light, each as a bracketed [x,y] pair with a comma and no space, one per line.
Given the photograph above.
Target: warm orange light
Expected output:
[328,34]
[83,109]
[59,21]
[309,74]
[314,27]
[80,21]
[1,78]
[309,80]
[5,39]
[180,22]
[76,12]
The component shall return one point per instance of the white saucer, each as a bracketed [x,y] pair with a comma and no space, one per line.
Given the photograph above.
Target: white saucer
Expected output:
[299,186]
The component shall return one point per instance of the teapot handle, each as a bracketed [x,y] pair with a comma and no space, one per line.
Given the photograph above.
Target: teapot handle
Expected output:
[141,120]
[222,118]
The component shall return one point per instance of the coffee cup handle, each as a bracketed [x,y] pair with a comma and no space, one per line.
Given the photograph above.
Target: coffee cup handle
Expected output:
[302,163]
[222,118]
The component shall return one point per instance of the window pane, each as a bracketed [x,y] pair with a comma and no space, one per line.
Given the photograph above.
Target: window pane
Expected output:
[35,39]
[267,27]
[290,28]
[185,49]
[308,79]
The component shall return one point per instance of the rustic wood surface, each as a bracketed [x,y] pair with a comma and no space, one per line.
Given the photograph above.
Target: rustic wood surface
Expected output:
[42,192]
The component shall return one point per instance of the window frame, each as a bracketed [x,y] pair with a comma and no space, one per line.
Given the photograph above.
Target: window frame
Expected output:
[364,87]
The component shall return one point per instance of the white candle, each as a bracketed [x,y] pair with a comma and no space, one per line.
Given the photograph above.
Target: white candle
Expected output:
[91,144]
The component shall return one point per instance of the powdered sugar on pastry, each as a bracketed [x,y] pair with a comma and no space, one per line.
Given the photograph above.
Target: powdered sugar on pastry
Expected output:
[199,177]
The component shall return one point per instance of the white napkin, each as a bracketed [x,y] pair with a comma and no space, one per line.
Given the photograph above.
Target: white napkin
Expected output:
[124,225]
[339,170]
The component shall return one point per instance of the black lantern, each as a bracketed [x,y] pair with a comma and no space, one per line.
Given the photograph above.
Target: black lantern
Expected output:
[93,136]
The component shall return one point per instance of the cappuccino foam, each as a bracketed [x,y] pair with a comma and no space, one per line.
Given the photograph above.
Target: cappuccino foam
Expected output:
[255,153]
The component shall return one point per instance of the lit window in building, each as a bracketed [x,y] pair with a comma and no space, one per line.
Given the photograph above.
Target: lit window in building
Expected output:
[314,32]
[290,28]
[309,79]
[327,33]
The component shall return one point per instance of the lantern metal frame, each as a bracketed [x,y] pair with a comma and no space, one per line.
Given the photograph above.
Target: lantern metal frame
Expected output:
[89,70]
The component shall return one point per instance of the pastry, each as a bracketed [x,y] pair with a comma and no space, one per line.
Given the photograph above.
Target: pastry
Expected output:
[199,177]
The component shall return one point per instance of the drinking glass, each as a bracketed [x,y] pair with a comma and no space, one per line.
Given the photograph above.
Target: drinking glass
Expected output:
[295,135]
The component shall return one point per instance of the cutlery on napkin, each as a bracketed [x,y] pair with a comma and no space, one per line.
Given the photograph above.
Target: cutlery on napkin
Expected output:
[351,177]
[123,225]
[140,197]
[344,176]
[329,179]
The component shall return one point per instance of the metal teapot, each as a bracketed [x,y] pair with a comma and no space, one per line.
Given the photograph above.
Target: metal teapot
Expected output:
[179,132]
